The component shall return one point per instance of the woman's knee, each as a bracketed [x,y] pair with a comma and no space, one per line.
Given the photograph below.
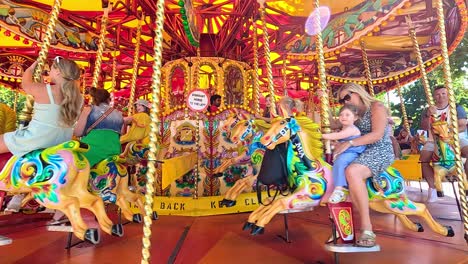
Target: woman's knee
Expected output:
[357,172]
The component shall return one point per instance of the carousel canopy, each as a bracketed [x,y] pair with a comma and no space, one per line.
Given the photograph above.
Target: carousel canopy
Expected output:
[224,28]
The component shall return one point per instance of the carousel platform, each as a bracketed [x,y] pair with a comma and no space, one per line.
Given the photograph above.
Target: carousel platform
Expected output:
[220,239]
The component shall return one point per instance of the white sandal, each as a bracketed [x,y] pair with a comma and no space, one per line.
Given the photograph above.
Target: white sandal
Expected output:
[338,195]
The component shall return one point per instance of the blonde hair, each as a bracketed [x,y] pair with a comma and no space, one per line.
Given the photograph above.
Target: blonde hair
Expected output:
[291,105]
[72,99]
[366,98]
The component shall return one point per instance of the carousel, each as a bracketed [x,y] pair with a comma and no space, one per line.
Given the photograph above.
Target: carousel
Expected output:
[211,75]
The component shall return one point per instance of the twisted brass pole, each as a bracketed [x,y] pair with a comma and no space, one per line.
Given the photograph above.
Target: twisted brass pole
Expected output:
[155,109]
[101,45]
[136,60]
[197,135]
[114,71]
[403,108]
[322,82]
[453,116]
[285,92]
[424,79]
[365,59]
[266,44]
[256,84]
[26,114]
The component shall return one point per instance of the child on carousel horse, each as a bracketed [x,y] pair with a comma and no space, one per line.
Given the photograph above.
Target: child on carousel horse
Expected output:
[140,124]
[347,116]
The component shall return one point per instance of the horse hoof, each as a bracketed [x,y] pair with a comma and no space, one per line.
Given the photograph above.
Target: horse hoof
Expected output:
[247,226]
[217,175]
[227,203]
[420,227]
[137,218]
[117,230]
[440,194]
[154,215]
[92,236]
[450,232]
[257,230]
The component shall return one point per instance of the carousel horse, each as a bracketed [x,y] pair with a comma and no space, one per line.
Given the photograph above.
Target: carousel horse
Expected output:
[309,177]
[109,180]
[233,119]
[443,159]
[247,132]
[57,178]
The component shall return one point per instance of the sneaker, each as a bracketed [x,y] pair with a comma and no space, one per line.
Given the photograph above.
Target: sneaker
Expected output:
[432,195]
[15,203]
[339,195]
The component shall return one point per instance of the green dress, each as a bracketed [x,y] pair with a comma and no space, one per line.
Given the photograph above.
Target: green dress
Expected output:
[103,143]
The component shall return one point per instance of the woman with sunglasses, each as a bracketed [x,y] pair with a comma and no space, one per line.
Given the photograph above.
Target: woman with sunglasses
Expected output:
[56,109]
[373,122]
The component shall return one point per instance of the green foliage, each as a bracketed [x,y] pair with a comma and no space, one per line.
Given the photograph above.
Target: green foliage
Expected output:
[7,96]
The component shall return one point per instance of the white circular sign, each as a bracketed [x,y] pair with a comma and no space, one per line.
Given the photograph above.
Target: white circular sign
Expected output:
[197,100]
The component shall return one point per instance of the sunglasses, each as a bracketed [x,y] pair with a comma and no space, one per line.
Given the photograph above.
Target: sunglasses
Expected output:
[346,98]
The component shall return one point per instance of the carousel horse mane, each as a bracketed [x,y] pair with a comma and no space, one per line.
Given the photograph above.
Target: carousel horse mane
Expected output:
[311,136]
[262,124]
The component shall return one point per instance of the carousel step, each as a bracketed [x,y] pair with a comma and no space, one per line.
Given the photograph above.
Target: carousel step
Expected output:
[288,211]
[60,228]
[350,248]
[5,241]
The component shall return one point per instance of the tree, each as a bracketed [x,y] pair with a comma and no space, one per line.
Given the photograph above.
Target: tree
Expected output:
[7,96]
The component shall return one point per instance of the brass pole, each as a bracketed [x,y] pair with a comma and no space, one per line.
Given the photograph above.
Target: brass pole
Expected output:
[155,122]
[365,59]
[101,45]
[453,116]
[136,60]
[269,70]
[422,68]
[26,114]
[256,84]
[322,82]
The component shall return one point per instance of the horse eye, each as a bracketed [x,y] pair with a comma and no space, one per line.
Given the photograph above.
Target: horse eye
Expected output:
[282,122]
[246,124]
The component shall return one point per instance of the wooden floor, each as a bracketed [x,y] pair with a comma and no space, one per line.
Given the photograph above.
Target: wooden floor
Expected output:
[219,239]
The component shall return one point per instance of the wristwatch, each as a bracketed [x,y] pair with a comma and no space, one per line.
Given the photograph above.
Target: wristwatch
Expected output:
[351,143]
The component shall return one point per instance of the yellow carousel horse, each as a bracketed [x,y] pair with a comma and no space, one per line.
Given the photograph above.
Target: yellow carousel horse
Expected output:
[443,160]
[57,177]
[247,133]
[309,179]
